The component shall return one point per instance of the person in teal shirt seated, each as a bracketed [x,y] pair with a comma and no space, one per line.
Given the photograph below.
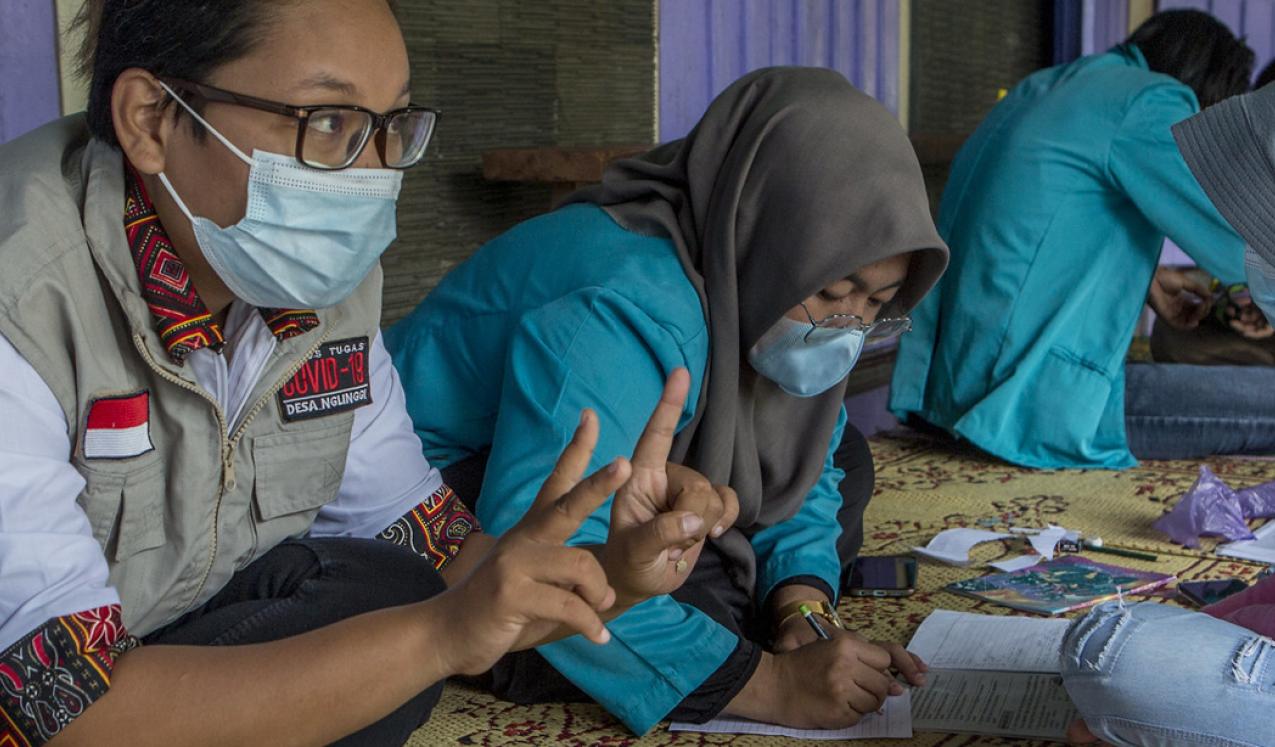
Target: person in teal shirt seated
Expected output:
[1056,210]
[758,254]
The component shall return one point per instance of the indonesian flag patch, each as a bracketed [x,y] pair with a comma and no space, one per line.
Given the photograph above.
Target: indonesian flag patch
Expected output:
[118,427]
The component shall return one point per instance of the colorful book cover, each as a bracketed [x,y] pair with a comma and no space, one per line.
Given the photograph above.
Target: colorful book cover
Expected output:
[1061,585]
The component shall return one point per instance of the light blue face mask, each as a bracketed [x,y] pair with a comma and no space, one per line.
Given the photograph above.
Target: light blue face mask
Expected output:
[308,236]
[1261,282]
[805,362]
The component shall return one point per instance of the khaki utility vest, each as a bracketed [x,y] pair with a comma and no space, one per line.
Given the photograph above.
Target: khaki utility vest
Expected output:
[177,522]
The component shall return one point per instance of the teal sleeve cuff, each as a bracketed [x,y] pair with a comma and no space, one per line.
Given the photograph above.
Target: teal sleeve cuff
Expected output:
[660,652]
[822,564]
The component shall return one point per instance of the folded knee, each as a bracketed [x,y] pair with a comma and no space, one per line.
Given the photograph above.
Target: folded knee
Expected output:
[1090,640]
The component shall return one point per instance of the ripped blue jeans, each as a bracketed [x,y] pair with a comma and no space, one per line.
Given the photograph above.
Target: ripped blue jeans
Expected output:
[1151,674]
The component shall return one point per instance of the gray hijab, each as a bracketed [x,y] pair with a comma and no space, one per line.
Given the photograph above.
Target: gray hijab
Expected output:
[791,181]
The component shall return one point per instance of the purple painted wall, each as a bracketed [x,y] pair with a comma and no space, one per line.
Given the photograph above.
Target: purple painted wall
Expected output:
[705,45]
[1105,24]
[29,83]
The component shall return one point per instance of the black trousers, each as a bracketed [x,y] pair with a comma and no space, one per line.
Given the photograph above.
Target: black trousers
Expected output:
[527,677]
[306,584]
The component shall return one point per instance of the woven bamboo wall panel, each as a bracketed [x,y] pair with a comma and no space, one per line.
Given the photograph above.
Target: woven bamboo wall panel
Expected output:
[509,73]
[962,53]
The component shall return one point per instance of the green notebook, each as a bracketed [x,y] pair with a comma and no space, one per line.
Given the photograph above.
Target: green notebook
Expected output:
[1060,585]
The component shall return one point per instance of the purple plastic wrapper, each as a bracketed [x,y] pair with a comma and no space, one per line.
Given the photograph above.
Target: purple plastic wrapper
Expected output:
[1209,508]
[1257,502]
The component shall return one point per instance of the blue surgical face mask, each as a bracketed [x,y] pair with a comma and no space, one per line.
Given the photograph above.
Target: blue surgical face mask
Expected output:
[1261,282]
[308,237]
[805,361]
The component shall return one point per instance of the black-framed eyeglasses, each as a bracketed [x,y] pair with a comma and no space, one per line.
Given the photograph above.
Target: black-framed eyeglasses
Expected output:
[881,329]
[333,136]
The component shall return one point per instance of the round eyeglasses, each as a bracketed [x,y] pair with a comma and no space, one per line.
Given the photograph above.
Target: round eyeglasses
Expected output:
[881,329]
[333,136]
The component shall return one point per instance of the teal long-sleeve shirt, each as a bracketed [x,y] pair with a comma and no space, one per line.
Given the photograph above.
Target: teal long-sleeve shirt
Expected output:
[563,312]
[1055,212]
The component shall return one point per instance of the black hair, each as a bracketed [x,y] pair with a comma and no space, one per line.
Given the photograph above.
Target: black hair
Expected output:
[186,39]
[1266,76]
[1198,50]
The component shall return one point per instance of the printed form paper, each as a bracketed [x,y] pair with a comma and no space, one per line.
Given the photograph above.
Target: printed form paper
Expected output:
[992,675]
[962,640]
[1012,704]
[894,723]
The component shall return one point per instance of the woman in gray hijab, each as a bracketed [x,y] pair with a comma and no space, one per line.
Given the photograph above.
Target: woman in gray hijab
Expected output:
[759,253]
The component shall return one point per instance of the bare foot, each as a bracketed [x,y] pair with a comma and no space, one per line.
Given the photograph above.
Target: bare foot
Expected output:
[1078,734]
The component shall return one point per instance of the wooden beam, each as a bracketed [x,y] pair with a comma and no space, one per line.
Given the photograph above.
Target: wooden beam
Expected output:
[584,165]
[552,165]
[1139,11]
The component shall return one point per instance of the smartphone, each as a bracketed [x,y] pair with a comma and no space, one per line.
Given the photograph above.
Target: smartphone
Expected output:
[886,576]
[1205,593]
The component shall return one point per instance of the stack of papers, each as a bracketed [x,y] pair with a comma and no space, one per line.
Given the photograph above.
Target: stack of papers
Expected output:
[893,722]
[989,675]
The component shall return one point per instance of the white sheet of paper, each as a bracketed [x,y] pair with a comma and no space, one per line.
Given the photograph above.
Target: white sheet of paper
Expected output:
[1261,549]
[962,640]
[1017,704]
[953,546]
[1016,564]
[1047,541]
[895,723]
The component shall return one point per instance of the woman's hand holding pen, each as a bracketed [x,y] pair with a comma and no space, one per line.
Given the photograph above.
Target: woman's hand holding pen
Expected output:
[827,684]
[816,682]
[795,632]
[907,664]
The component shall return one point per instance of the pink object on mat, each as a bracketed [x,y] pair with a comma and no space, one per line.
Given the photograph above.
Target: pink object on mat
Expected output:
[1253,608]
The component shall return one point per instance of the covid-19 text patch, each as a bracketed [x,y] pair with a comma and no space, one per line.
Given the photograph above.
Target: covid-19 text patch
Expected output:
[335,379]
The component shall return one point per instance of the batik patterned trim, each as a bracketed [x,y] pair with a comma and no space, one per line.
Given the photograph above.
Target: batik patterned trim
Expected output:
[182,319]
[285,323]
[54,673]
[436,528]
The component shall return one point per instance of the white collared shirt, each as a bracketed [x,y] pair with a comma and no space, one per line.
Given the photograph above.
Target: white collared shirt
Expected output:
[50,564]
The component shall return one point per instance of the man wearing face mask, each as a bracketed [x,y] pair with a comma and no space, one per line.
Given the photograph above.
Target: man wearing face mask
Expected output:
[211,497]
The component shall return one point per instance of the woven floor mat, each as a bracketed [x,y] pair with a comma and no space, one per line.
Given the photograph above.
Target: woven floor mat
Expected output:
[923,486]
